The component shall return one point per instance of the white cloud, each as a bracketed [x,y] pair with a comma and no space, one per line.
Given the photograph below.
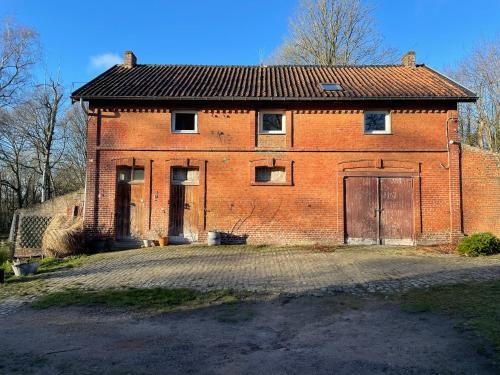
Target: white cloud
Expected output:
[104,61]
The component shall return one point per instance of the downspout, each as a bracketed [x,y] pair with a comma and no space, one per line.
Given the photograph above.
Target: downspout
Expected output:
[448,142]
[85,187]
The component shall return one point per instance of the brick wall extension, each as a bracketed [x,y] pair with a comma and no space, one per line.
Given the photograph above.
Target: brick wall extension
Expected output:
[480,190]
[318,142]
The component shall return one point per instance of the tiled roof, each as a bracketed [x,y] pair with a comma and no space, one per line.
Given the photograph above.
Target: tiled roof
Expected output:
[173,82]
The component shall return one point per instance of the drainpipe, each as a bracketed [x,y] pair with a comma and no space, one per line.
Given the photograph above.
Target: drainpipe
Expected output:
[448,141]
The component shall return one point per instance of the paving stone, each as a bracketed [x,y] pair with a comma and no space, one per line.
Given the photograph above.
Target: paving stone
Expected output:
[288,271]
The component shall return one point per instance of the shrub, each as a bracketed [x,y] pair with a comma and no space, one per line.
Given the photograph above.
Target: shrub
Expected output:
[479,244]
[6,251]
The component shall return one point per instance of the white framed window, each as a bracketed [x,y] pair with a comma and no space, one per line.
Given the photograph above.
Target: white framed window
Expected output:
[184,122]
[377,122]
[272,122]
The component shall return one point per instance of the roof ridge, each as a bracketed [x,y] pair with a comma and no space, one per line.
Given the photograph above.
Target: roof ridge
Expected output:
[276,66]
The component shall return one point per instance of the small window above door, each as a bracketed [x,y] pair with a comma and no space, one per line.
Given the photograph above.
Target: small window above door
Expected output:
[124,174]
[128,174]
[138,174]
[185,176]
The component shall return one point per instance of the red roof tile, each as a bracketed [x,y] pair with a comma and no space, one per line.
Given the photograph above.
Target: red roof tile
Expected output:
[171,82]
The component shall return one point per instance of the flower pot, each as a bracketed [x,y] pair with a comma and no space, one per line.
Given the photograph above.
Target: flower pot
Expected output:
[163,241]
[23,269]
[213,238]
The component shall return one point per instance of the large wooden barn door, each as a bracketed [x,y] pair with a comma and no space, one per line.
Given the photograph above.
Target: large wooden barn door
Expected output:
[379,210]
[184,199]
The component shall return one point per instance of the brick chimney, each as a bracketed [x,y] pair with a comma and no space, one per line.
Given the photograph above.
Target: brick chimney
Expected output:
[409,59]
[129,60]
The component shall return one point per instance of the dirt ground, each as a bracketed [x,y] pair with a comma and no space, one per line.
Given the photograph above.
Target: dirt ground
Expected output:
[300,335]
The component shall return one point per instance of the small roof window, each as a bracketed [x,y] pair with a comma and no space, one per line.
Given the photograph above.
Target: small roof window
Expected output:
[329,86]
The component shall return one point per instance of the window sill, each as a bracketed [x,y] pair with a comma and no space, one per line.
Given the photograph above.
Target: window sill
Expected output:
[271,184]
[265,133]
[377,133]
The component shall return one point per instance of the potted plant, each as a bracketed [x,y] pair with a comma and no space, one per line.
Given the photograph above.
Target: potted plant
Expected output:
[162,239]
[23,268]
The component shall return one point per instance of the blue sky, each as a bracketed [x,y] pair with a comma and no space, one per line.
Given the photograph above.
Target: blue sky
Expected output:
[81,38]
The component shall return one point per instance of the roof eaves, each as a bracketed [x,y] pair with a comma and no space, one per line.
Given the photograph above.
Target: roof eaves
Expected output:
[472,95]
[75,93]
[263,99]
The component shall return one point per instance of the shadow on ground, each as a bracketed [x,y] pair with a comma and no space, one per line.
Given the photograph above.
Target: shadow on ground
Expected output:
[340,334]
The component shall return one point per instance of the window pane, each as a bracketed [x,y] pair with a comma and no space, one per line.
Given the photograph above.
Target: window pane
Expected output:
[138,174]
[272,122]
[185,175]
[267,174]
[374,122]
[185,121]
[124,174]
[179,174]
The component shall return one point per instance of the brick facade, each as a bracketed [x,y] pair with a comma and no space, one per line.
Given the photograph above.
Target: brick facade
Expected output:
[481,190]
[322,144]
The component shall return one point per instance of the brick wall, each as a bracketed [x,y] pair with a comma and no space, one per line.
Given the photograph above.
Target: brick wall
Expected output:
[317,142]
[481,190]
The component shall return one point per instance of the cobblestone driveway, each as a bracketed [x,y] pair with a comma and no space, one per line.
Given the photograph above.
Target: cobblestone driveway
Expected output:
[278,270]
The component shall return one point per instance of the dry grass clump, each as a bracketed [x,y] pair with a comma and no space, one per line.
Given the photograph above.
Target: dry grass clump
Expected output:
[63,237]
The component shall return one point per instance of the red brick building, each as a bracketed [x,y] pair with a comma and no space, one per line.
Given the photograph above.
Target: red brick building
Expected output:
[278,154]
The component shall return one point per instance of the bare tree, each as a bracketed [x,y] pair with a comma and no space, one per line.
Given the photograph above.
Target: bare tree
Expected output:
[16,158]
[41,117]
[333,32]
[18,53]
[70,173]
[480,72]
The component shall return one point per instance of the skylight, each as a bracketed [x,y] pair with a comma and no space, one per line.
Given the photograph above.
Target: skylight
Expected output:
[327,86]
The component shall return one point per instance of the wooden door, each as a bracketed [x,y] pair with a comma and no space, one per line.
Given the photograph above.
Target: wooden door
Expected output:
[122,210]
[396,211]
[379,210]
[361,210]
[136,209]
[183,222]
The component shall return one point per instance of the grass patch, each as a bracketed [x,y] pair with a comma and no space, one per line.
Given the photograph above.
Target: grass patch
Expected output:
[35,284]
[158,299]
[475,306]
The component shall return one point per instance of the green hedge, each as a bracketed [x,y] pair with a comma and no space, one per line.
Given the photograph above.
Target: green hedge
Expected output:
[479,244]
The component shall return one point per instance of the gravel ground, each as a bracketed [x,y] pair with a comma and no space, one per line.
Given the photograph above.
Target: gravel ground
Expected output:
[336,334]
